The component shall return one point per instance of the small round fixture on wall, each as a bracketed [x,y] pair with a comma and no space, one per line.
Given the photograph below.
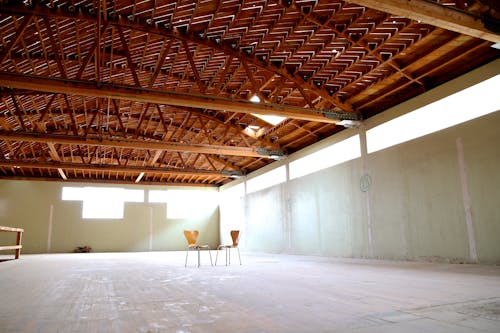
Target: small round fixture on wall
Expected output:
[365,182]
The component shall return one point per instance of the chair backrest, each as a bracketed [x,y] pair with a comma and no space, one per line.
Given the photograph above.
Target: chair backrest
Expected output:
[235,235]
[191,236]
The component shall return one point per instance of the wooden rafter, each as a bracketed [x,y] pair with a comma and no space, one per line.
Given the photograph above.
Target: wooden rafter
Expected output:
[159,63]
[54,47]
[374,99]
[255,86]
[90,54]
[435,14]
[131,64]
[136,144]
[117,168]
[193,66]
[19,33]
[18,112]
[82,88]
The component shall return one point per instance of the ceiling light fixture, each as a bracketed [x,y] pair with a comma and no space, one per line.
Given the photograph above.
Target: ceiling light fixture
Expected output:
[349,123]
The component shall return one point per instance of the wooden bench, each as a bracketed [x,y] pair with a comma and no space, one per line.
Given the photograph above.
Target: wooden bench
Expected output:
[18,245]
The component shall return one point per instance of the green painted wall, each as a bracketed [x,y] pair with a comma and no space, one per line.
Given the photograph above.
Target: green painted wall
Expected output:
[414,209]
[27,204]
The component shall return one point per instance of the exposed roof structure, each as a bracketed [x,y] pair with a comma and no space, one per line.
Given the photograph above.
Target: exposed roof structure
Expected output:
[177,92]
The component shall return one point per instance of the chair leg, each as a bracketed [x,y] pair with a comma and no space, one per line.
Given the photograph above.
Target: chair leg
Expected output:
[198,257]
[187,252]
[216,256]
[239,254]
[229,254]
[211,263]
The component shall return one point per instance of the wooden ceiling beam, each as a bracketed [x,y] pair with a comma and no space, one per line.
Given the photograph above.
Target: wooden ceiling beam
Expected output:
[117,168]
[83,88]
[141,144]
[434,14]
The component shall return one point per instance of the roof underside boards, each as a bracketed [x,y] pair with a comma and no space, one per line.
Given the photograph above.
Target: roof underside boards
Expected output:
[159,92]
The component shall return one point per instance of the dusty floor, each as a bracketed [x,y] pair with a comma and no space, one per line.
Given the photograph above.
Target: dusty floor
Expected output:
[153,292]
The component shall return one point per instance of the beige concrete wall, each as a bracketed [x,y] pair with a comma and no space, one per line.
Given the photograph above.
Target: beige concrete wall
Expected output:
[27,204]
[415,208]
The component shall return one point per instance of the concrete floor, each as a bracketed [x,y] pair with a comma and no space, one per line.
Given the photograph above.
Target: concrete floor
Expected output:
[153,292]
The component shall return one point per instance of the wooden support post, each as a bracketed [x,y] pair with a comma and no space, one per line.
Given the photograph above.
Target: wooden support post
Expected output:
[18,243]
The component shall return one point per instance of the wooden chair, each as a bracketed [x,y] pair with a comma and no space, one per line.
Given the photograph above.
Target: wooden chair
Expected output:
[192,237]
[235,235]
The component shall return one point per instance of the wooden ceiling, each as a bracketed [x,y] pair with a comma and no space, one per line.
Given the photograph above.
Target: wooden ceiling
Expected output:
[158,92]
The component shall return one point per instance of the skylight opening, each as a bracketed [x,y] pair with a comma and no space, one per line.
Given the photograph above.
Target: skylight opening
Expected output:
[257,131]
[271,119]
[255,99]
[465,105]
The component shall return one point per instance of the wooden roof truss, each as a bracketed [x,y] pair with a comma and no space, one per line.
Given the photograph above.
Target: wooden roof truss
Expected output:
[159,92]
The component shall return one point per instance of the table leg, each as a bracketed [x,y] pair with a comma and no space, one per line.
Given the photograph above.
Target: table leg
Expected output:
[18,242]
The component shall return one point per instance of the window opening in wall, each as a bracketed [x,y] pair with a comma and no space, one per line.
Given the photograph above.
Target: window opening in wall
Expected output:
[236,191]
[337,153]
[465,105]
[157,196]
[102,202]
[268,179]
[182,204]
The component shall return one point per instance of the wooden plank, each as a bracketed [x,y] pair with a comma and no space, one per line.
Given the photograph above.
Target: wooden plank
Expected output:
[3,228]
[11,247]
